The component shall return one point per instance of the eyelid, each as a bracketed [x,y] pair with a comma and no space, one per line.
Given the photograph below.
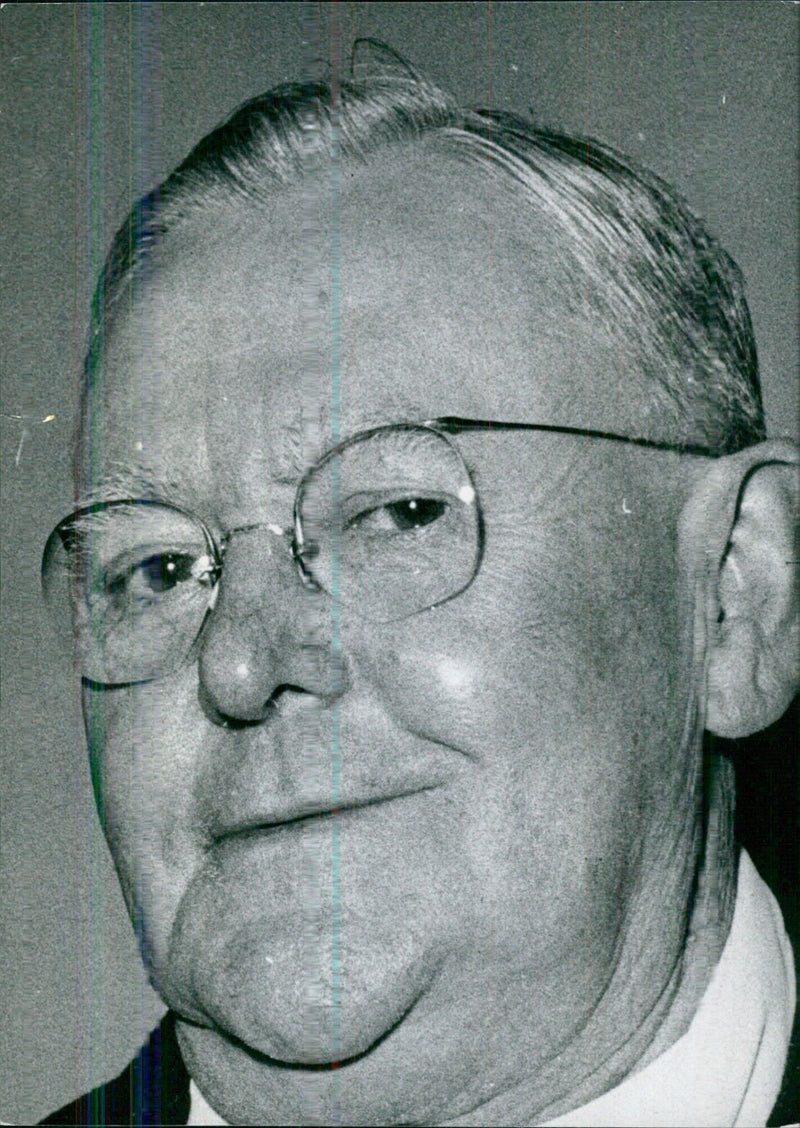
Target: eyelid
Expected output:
[99,515]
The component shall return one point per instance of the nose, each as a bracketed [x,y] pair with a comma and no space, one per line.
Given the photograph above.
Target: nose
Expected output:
[267,635]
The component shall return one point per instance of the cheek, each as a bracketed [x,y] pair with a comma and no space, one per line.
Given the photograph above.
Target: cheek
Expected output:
[514,660]
[546,806]
[433,683]
[556,675]
[145,748]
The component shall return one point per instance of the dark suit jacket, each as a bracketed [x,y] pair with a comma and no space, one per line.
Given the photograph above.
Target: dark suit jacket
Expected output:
[153,1089]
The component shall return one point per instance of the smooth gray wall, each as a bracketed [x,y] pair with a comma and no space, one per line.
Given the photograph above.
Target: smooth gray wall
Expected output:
[97,103]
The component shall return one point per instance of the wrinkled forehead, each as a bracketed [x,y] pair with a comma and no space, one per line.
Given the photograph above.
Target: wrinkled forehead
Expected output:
[260,334]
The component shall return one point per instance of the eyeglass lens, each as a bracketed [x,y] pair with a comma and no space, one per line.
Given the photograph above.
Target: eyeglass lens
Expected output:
[390,523]
[130,584]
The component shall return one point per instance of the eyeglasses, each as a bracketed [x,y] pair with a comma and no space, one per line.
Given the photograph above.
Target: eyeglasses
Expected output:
[388,524]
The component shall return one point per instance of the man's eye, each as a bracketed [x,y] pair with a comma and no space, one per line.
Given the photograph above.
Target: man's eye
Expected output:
[403,516]
[157,575]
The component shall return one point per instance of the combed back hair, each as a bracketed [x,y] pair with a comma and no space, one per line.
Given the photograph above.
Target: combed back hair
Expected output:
[640,264]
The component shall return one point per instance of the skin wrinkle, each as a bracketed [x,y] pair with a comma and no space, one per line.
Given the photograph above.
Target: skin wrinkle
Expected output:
[610,1072]
[606,1070]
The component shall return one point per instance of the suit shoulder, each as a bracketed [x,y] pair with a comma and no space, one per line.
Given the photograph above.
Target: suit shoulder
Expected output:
[153,1089]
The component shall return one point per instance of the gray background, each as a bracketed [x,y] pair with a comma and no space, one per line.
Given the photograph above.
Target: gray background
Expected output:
[100,101]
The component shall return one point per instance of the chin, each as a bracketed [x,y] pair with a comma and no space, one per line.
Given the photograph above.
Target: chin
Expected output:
[288,980]
[289,1007]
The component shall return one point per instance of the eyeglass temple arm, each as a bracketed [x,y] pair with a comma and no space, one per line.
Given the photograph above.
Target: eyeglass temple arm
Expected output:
[452,424]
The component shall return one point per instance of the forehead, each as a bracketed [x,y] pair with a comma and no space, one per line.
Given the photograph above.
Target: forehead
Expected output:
[413,288]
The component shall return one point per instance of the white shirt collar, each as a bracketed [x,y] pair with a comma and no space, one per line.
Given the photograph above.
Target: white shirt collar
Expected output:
[200,1111]
[727,1068]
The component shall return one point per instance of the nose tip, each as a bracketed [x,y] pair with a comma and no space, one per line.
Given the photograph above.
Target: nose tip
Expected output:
[241,682]
[245,703]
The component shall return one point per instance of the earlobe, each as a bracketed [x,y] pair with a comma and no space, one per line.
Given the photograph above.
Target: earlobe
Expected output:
[753,627]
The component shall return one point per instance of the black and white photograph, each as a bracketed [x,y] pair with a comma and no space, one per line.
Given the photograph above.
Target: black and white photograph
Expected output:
[400,613]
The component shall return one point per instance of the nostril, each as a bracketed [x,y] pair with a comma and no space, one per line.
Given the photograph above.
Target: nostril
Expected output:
[234,721]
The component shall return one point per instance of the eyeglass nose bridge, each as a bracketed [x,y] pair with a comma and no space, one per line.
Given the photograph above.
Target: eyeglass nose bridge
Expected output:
[346,584]
[300,554]
[299,549]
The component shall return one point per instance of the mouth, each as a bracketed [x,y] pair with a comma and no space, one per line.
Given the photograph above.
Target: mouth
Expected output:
[307,815]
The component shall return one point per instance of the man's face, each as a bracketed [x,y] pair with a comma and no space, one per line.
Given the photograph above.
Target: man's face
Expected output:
[510,761]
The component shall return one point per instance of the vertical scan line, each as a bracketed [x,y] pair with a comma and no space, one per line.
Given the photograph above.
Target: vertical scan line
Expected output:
[309,893]
[336,764]
[320,425]
[145,168]
[95,78]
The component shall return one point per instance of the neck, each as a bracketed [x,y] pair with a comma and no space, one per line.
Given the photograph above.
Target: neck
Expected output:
[709,921]
[712,907]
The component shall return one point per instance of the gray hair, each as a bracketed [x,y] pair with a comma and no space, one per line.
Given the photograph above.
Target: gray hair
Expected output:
[639,261]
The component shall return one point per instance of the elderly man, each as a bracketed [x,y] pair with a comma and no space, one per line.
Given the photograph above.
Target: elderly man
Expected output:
[427,521]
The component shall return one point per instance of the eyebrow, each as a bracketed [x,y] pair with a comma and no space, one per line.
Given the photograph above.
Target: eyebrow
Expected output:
[126,481]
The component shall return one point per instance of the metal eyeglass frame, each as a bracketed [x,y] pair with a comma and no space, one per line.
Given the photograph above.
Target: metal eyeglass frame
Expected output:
[444,426]
[453,425]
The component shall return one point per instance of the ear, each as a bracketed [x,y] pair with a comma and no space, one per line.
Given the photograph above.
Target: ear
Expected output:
[746,513]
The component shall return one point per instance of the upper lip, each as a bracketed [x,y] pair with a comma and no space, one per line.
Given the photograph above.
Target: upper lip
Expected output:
[252,823]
